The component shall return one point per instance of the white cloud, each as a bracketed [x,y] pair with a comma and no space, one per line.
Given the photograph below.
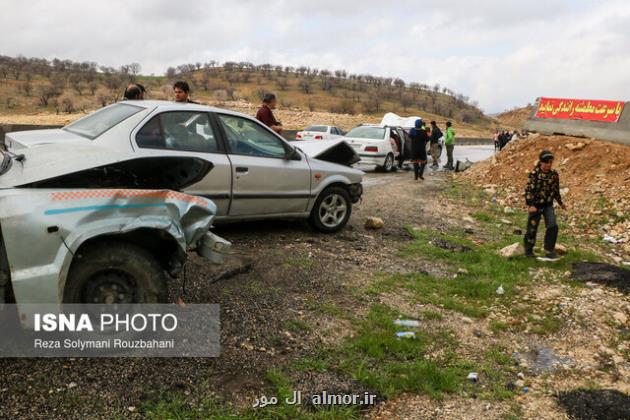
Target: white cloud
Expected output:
[501,53]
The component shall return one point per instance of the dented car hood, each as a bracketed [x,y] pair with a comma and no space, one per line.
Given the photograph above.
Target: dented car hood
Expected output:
[335,151]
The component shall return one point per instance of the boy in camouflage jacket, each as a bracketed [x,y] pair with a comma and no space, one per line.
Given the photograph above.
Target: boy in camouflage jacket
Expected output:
[541,191]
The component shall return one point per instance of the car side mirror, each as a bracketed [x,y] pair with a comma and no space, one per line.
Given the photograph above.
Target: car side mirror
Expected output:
[293,154]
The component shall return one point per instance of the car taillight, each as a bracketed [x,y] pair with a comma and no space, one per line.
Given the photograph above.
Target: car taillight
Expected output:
[298,136]
[318,137]
[371,149]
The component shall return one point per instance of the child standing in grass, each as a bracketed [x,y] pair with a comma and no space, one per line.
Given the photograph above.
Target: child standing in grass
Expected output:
[541,191]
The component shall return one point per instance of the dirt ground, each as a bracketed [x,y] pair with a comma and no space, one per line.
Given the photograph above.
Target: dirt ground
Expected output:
[515,118]
[291,275]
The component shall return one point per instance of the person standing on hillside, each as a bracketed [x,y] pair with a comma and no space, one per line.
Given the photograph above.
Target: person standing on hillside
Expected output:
[436,133]
[181,90]
[542,189]
[134,92]
[419,139]
[449,142]
[496,137]
[265,113]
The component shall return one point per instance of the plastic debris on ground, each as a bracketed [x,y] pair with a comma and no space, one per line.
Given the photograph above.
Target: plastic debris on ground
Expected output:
[411,323]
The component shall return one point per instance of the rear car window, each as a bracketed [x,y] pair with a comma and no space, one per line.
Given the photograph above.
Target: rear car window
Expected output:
[179,130]
[367,133]
[316,128]
[102,120]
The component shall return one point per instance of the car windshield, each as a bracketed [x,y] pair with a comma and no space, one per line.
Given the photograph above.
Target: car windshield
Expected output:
[366,132]
[317,128]
[99,122]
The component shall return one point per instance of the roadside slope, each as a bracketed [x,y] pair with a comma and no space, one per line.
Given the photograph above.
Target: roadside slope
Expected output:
[594,177]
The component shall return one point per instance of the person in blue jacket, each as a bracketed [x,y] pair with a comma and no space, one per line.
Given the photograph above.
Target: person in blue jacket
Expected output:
[419,139]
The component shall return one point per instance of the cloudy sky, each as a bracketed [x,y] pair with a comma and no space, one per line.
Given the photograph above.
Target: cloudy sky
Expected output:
[501,53]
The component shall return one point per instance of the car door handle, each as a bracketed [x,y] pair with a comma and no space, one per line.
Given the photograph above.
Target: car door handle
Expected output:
[242,170]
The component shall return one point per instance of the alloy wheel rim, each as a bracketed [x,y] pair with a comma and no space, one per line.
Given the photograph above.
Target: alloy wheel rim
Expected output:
[332,210]
[389,162]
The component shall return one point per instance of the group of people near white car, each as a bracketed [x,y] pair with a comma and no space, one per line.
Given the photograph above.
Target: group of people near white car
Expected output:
[422,136]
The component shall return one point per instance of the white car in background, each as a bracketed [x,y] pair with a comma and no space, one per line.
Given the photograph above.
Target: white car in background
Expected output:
[372,144]
[319,132]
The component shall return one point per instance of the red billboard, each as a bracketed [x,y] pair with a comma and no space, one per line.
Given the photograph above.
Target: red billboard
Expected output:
[579,109]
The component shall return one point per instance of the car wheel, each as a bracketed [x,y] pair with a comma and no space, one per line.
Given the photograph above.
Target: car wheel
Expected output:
[332,210]
[388,165]
[115,272]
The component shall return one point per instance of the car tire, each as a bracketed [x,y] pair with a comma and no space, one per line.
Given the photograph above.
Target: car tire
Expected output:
[332,210]
[388,164]
[115,272]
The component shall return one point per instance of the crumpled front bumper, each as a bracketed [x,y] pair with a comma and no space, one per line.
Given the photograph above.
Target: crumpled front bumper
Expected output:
[42,229]
[356,191]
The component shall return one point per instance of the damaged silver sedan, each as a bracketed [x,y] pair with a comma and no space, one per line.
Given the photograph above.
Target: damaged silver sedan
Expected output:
[256,175]
[84,224]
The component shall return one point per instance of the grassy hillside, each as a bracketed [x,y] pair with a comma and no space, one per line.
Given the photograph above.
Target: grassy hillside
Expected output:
[37,86]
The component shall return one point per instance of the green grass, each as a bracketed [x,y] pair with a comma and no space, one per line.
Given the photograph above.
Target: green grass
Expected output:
[474,292]
[482,216]
[547,325]
[298,262]
[499,326]
[430,315]
[296,325]
[324,307]
[317,363]
[377,358]
[180,407]
[256,288]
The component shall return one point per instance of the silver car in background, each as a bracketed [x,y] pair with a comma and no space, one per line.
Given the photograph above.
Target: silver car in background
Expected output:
[256,174]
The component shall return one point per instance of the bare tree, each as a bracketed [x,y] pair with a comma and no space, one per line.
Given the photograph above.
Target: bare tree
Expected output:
[103,97]
[220,95]
[58,83]
[27,88]
[46,93]
[283,83]
[92,86]
[66,104]
[373,103]
[344,107]
[406,100]
[113,83]
[134,69]
[205,80]
[326,84]
[305,85]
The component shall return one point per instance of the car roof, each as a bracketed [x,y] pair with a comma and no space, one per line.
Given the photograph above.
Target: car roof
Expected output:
[378,126]
[181,106]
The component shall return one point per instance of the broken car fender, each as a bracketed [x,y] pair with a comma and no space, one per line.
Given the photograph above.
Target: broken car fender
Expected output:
[43,228]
